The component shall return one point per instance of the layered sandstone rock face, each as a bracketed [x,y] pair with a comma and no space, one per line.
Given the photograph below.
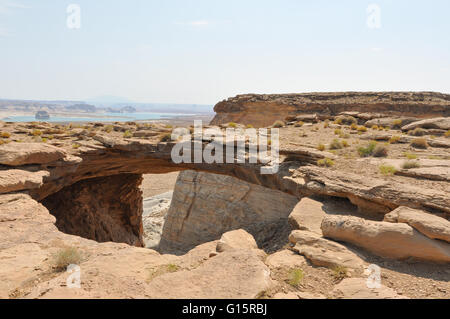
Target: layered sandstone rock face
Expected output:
[204,206]
[264,110]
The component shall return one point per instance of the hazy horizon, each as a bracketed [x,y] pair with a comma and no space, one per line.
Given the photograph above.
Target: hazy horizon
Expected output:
[179,52]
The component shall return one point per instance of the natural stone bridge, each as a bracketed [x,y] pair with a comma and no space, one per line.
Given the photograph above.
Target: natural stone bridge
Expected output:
[93,190]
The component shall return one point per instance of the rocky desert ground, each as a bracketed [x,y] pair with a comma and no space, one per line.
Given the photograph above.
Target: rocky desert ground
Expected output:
[362,193]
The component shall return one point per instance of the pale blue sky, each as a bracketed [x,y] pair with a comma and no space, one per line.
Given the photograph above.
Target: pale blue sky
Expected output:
[202,51]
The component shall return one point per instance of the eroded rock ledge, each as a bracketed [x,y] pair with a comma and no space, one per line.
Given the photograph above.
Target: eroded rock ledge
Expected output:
[264,110]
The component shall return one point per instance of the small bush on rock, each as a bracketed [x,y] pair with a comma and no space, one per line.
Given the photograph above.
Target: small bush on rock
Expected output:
[325,162]
[340,273]
[368,150]
[410,164]
[66,257]
[387,170]
[419,143]
[166,138]
[296,277]
[380,151]
[397,124]
[394,139]
[278,124]
[336,145]
[417,132]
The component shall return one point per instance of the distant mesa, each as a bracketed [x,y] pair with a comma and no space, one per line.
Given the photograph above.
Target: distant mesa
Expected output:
[42,115]
[125,109]
[81,107]
[264,109]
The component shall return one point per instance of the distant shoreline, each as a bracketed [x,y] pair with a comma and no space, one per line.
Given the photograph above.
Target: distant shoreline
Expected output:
[67,117]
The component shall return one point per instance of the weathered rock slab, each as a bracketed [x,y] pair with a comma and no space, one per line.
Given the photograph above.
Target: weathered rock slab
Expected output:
[430,225]
[236,239]
[356,288]
[13,180]
[245,276]
[323,252]
[18,154]
[442,123]
[397,241]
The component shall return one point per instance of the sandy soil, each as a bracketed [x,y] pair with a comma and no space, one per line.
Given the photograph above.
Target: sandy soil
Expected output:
[155,184]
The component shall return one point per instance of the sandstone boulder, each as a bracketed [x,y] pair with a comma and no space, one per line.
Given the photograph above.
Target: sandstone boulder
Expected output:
[236,239]
[323,252]
[398,241]
[309,212]
[430,225]
[17,154]
[442,123]
[307,215]
[244,277]
[285,259]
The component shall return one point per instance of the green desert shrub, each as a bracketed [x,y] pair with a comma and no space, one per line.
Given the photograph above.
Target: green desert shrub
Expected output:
[394,139]
[65,257]
[325,162]
[278,124]
[367,150]
[340,273]
[345,120]
[127,134]
[161,270]
[165,137]
[336,145]
[397,124]
[410,164]
[296,277]
[380,151]
[417,132]
[387,169]
[108,128]
[321,147]
[362,129]
[36,132]
[410,156]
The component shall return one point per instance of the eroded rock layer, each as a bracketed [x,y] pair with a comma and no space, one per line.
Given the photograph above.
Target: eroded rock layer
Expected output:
[264,110]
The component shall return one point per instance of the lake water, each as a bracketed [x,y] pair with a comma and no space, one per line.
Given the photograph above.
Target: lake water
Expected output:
[105,117]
